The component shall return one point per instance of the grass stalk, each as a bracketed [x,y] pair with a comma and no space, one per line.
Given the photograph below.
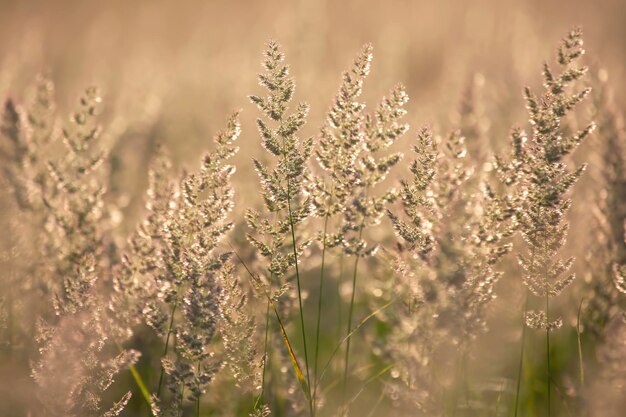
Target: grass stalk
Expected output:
[368,382]
[339,282]
[548,343]
[319,301]
[349,329]
[295,255]
[520,368]
[349,335]
[580,346]
[165,349]
[350,313]
[138,381]
[265,354]
[267,322]
[306,388]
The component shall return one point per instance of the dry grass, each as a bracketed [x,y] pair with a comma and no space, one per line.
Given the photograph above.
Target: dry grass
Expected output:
[393,255]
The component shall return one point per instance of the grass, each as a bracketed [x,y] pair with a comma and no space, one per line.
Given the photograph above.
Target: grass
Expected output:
[441,248]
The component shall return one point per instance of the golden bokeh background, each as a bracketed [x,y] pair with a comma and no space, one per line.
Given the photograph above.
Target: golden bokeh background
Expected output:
[172,72]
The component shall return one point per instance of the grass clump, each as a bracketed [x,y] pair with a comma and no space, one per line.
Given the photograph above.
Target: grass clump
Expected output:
[328,291]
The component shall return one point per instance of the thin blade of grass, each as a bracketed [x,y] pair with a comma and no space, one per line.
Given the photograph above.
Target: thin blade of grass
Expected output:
[294,361]
[369,381]
[580,345]
[354,330]
[145,393]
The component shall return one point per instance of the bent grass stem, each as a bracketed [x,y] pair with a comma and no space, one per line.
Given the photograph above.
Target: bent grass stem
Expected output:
[295,255]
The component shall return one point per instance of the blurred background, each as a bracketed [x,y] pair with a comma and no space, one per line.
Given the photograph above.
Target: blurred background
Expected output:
[173,71]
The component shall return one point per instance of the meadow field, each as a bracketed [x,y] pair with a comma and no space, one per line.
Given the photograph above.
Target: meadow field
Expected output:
[312,208]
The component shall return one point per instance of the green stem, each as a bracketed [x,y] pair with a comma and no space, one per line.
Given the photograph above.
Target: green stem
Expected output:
[265,354]
[167,343]
[339,282]
[580,346]
[369,381]
[548,343]
[139,381]
[521,355]
[267,318]
[319,299]
[348,336]
[295,255]
[350,313]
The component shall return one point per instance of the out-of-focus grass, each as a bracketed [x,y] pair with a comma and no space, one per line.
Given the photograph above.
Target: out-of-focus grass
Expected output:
[171,72]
